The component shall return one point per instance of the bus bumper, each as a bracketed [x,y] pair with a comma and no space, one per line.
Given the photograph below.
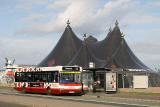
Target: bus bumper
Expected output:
[66,91]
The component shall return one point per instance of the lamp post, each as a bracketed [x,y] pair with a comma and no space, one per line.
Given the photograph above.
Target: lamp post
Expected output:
[123,76]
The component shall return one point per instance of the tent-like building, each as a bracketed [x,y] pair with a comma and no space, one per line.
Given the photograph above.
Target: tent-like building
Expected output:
[112,51]
[116,52]
[65,49]
[84,56]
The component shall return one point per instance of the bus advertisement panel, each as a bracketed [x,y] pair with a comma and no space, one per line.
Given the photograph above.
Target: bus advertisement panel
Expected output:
[111,82]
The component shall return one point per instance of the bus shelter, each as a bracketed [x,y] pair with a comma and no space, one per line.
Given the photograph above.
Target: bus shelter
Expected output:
[101,79]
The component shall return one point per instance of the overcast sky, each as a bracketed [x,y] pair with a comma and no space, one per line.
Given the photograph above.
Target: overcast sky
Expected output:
[29,29]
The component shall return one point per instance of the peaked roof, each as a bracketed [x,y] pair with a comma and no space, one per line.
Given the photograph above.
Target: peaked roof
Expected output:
[105,48]
[123,57]
[84,56]
[65,49]
[91,39]
[116,52]
[112,51]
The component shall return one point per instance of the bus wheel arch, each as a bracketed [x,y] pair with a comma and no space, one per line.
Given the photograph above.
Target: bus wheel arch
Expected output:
[24,90]
[48,91]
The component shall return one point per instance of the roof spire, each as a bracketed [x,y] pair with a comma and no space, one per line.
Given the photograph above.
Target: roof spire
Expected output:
[122,35]
[84,37]
[110,29]
[116,23]
[68,23]
[122,38]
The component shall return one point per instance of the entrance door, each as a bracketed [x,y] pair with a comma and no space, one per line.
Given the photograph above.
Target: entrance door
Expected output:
[120,84]
[100,82]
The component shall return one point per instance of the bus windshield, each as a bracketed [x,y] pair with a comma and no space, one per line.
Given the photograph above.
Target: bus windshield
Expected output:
[70,78]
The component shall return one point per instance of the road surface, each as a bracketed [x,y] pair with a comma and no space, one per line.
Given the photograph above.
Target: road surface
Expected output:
[6,104]
[18,101]
[10,96]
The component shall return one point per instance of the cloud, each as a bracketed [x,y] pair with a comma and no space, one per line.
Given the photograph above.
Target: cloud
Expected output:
[83,14]
[157,4]
[29,4]
[147,46]
[87,16]
[33,18]
[154,32]
[25,51]
[147,50]
[140,18]
[59,5]
[151,61]
[112,6]
[38,2]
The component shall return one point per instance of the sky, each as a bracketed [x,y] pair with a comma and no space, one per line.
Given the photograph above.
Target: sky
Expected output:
[29,29]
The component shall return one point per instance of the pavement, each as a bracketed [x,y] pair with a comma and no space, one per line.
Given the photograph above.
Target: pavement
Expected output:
[7,104]
[153,98]
[44,102]
[89,99]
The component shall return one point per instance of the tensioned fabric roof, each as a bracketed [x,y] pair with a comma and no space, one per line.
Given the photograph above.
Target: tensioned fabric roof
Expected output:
[112,51]
[64,51]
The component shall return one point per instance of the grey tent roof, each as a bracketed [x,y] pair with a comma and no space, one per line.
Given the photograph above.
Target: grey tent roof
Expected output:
[123,57]
[113,50]
[84,57]
[91,39]
[64,51]
[105,48]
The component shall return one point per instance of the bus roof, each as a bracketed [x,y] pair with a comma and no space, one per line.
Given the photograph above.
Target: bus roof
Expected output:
[53,68]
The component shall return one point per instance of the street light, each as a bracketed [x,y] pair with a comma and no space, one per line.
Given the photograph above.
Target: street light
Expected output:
[123,76]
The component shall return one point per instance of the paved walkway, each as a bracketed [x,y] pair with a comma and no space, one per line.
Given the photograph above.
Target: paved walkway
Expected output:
[7,104]
[45,102]
[155,98]
[98,96]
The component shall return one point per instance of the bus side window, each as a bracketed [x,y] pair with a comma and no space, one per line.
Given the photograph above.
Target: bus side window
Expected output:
[36,77]
[17,77]
[29,77]
[55,77]
[49,76]
[23,77]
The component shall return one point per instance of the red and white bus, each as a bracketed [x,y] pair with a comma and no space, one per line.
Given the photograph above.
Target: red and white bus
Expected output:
[50,80]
